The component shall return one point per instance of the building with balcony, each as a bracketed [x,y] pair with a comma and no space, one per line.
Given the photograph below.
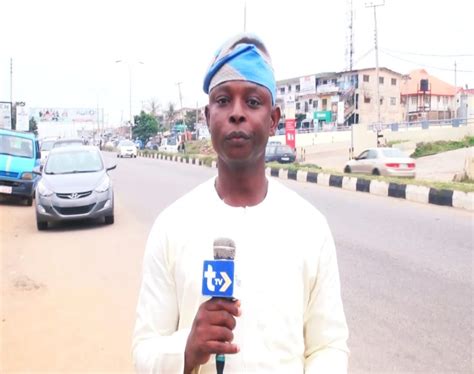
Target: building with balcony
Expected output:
[425,97]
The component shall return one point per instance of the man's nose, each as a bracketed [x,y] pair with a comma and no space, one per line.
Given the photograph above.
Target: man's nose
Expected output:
[237,114]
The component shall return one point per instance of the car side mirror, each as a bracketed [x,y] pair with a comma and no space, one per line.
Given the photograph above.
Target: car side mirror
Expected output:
[38,170]
[111,167]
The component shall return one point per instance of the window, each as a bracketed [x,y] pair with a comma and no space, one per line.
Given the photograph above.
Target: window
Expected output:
[381,100]
[372,154]
[289,88]
[324,104]
[380,80]
[366,78]
[393,101]
[414,100]
[394,81]
[366,100]
[310,101]
[298,106]
[357,101]
[315,103]
[297,88]
[282,90]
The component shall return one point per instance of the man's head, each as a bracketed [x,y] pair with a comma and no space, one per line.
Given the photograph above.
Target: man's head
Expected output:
[241,114]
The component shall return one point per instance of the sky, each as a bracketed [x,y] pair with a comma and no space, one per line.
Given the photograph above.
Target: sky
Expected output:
[64,52]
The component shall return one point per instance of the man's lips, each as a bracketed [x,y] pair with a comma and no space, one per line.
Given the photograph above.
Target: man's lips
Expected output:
[237,135]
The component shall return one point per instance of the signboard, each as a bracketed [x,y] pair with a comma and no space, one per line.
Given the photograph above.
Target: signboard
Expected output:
[290,133]
[340,112]
[22,118]
[5,115]
[290,107]
[66,115]
[308,85]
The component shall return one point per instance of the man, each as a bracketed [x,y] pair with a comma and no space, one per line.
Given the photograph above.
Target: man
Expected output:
[288,317]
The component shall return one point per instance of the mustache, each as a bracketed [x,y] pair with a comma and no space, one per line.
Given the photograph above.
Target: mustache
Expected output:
[237,134]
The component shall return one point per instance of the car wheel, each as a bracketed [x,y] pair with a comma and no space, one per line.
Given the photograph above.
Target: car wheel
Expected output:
[29,201]
[41,225]
[347,169]
[375,172]
[109,220]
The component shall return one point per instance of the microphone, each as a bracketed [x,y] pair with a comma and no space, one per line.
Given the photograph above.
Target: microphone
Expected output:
[218,279]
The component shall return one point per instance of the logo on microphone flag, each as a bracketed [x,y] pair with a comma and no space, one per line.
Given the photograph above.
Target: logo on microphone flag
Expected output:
[218,278]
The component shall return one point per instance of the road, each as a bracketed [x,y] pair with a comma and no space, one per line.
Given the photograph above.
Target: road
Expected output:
[69,294]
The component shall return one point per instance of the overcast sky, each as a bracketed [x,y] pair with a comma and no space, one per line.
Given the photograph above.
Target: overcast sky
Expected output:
[64,52]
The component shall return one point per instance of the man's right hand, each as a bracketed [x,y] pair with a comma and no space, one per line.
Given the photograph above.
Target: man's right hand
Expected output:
[211,332]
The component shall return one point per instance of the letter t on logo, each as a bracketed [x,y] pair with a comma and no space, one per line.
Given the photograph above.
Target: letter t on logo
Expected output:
[209,274]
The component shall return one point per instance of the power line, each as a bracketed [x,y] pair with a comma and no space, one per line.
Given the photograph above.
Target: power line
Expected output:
[427,66]
[426,54]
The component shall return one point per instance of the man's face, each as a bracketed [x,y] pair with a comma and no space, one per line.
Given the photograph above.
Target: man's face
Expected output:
[241,117]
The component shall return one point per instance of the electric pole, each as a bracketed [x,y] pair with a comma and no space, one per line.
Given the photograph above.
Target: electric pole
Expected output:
[245,16]
[377,82]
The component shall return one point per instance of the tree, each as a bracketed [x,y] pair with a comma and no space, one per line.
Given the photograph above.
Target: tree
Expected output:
[33,126]
[190,119]
[170,115]
[146,126]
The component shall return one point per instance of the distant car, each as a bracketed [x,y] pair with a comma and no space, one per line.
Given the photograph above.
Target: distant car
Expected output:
[46,145]
[152,145]
[74,185]
[67,142]
[126,148]
[280,153]
[382,161]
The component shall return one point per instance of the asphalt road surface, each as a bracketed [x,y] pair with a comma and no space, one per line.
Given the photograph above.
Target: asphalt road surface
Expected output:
[69,294]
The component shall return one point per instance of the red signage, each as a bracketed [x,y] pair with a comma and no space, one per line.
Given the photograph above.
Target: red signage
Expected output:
[290,133]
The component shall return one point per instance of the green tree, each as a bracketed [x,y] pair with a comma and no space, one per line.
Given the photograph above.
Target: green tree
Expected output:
[190,119]
[33,126]
[146,125]
[170,115]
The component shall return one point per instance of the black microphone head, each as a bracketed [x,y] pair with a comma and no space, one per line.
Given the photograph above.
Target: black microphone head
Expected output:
[224,249]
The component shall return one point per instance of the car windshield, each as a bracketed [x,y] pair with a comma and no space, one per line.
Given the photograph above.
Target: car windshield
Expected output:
[172,141]
[47,145]
[285,149]
[77,161]
[126,143]
[16,146]
[67,143]
[394,152]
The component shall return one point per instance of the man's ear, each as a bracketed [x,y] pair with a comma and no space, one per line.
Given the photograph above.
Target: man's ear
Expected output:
[275,116]
[206,113]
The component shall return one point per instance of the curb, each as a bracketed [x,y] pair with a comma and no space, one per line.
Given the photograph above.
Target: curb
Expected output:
[419,194]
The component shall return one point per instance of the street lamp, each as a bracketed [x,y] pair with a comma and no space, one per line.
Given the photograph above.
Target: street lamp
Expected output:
[129,91]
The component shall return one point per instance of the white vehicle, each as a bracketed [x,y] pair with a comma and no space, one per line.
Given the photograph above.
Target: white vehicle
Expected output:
[170,145]
[126,148]
[46,145]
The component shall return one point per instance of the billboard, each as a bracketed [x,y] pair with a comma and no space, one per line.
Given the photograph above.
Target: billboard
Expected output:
[308,85]
[66,115]
[5,115]
[22,118]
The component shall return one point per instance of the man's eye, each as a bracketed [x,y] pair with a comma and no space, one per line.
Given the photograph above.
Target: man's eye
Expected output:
[253,102]
[222,100]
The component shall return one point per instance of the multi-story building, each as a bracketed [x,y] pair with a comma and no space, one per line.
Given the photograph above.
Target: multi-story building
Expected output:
[344,97]
[425,97]
[465,103]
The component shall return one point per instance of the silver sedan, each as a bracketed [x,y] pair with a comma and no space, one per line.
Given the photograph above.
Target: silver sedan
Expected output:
[74,185]
[382,161]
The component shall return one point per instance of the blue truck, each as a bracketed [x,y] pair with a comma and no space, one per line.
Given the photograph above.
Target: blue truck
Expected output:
[19,155]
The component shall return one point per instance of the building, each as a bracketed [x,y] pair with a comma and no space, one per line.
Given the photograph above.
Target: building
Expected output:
[343,97]
[425,97]
[465,103]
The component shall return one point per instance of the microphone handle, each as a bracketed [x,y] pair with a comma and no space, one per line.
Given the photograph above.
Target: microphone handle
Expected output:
[220,362]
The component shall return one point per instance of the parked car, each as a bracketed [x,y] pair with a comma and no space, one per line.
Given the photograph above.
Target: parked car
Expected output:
[281,153]
[126,148]
[152,145]
[382,161]
[74,185]
[67,142]
[19,155]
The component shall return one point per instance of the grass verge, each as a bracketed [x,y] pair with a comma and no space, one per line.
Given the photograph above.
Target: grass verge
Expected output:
[428,149]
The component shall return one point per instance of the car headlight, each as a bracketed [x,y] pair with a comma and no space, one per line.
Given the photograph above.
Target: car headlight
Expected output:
[43,190]
[27,176]
[103,186]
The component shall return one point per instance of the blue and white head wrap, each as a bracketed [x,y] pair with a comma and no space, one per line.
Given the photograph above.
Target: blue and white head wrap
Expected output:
[243,58]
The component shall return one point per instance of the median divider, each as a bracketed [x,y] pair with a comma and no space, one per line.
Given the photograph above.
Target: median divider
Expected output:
[419,194]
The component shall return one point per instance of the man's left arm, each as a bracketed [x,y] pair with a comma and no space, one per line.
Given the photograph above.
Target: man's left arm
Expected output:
[325,328]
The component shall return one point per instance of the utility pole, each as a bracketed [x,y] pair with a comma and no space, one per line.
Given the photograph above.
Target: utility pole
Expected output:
[11,92]
[245,16]
[180,100]
[455,75]
[372,5]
